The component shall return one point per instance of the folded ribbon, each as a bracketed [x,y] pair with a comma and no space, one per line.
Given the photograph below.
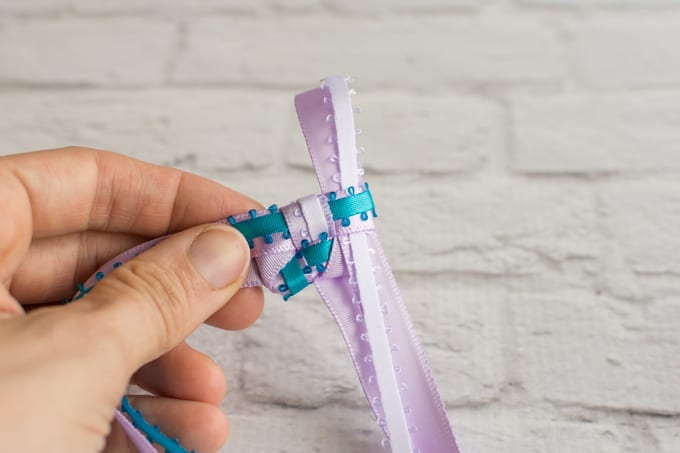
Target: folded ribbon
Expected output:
[329,240]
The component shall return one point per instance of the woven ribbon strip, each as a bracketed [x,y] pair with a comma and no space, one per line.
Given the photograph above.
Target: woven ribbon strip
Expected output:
[330,241]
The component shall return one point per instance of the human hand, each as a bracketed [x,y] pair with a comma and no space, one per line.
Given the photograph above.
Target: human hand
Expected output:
[63,369]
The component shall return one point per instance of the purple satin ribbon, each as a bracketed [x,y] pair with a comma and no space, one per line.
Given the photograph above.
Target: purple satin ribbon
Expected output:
[356,284]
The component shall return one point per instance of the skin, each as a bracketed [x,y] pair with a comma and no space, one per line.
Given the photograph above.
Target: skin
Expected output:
[63,368]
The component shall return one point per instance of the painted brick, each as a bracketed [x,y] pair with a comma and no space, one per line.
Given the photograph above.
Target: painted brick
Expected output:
[642,220]
[666,434]
[636,53]
[462,331]
[580,349]
[490,226]
[153,7]
[416,133]
[327,430]
[582,133]
[500,429]
[402,6]
[200,130]
[438,51]
[78,51]
[274,185]
[296,357]
[623,4]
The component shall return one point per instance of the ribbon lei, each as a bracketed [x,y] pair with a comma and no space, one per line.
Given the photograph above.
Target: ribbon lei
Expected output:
[329,240]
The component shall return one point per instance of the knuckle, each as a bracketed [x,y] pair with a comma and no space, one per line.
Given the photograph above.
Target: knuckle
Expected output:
[79,152]
[160,293]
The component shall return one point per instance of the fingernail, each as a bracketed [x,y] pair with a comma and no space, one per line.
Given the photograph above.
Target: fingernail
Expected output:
[219,255]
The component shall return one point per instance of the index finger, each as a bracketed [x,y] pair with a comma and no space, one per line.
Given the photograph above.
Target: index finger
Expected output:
[78,189]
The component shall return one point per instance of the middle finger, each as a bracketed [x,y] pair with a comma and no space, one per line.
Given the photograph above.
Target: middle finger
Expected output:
[183,373]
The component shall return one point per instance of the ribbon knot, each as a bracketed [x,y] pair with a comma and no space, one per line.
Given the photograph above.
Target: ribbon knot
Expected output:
[293,246]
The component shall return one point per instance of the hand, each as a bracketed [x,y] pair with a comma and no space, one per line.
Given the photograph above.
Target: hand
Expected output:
[63,369]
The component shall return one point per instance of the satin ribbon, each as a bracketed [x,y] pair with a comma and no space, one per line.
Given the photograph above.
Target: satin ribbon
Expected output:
[329,240]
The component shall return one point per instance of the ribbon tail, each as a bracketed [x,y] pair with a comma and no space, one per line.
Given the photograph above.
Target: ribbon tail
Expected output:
[336,294]
[419,404]
[136,437]
[428,422]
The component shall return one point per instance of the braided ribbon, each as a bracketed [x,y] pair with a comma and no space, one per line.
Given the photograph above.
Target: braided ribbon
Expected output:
[329,240]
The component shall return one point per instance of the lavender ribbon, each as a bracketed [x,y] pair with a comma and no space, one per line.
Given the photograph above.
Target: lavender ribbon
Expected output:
[329,240]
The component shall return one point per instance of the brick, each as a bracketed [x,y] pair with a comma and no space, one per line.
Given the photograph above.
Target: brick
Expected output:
[274,185]
[155,7]
[666,434]
[639,4]
[578,133]
[484,227]
[77,51]
[296,357]
[636,53]
[328,430]
[442,50]
[402,6]
[204,131]
[462,332]
[516,430]
[42,7]
[642,219]
[490,429]
[426,134]
[576,348]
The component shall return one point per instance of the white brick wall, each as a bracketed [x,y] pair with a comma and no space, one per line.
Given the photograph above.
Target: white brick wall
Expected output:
[626,132]
[417,52]
[532,144]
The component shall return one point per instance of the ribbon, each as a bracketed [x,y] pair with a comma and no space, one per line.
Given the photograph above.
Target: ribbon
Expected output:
[330,241]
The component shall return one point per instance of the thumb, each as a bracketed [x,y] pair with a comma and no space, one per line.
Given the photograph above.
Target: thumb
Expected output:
[155,300]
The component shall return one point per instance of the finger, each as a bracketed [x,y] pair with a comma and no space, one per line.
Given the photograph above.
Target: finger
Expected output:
[242,310]
[78,189]
[16,224]
[184,373]
[153,302]
[54,266]
[198,426]
[9,306]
